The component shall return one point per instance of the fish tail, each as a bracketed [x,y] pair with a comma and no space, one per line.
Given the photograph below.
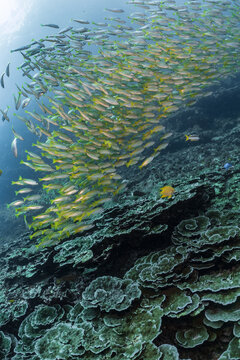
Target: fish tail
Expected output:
[26,223]
[187,137]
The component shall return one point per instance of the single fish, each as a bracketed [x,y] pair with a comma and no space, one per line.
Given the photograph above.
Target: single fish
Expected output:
[7,70]
[28,181]
[165,136]
[115,10]
[65,30]
[227,166]
[2,80]
[167,191]
[32,207]
[81,21]
[32,198]
[51,25]
[25,102]
[16,135]
[16,203]
[22,181]
[17,101]
[14,147]
[23,191]
[147,161]
[192,137]
[21,48]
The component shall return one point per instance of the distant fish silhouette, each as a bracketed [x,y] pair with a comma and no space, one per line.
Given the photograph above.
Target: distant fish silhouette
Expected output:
[2,80]
[115,10]
[22,48]
[7,70]
[81,21]
[51,25]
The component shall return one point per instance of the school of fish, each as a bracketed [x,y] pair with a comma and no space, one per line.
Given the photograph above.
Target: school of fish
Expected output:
[100,110]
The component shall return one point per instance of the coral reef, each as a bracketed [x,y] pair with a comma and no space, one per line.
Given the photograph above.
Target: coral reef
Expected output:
[153,279]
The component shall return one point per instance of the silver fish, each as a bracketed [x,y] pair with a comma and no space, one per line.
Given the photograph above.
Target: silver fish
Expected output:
[81,21]
[65,30]
[14,147]
[17,101]
[115,10]
[16,135]
[25,102]
[51,25]
[22,48]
